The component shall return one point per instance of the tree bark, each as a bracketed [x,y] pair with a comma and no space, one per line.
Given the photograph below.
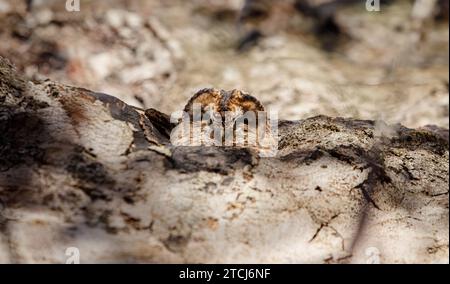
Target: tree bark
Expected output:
[85,170]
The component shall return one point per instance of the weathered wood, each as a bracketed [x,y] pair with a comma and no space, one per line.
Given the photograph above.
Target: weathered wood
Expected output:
[85,170]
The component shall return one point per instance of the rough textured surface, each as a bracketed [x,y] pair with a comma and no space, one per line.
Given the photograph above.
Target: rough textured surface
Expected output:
[83,169]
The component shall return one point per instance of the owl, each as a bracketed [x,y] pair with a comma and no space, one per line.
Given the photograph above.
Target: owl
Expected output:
[234,118]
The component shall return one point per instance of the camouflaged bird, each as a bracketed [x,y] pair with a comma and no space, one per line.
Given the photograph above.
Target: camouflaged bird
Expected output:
[215,117]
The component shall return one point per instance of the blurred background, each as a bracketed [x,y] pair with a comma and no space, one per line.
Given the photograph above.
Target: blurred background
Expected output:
[299,57]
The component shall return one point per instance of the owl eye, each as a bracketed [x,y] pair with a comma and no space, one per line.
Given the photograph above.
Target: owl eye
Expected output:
[217,116]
